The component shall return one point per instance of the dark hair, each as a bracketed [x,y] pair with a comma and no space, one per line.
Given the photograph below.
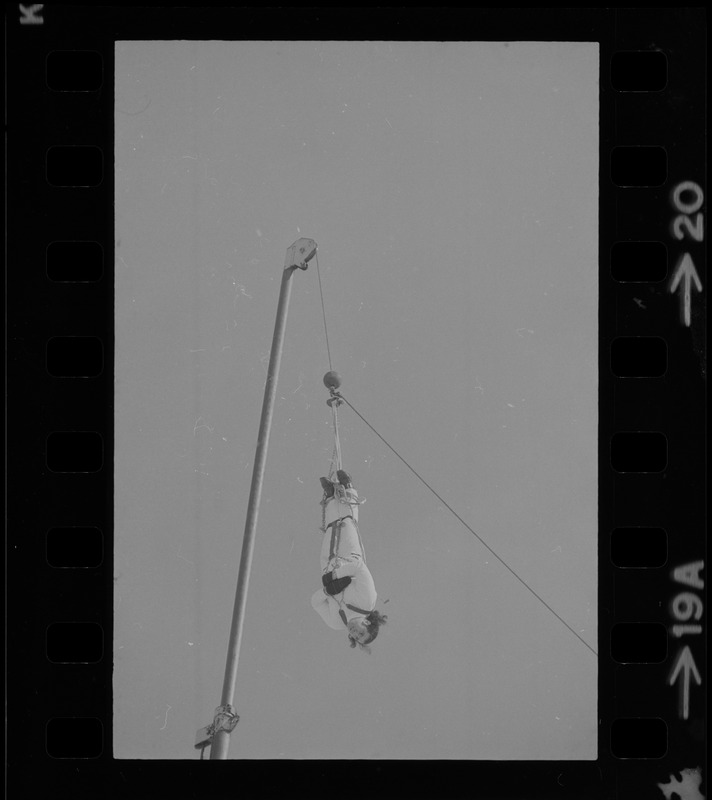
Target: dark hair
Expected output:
[374,620]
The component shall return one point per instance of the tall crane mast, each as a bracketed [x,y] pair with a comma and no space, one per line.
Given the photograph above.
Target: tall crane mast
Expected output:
[217,734]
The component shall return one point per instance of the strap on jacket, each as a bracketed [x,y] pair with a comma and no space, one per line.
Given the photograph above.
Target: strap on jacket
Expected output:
[358,610]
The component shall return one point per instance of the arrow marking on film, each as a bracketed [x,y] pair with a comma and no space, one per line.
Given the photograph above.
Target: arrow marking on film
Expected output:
[686,273]
[685,664]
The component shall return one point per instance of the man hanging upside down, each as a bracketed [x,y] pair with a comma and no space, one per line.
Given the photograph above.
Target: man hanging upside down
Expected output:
[348,597]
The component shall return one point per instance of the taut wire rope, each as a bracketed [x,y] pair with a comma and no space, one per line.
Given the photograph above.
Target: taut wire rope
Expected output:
[338,397]
[323,312]
[452,510]
[336,459]
[337,441]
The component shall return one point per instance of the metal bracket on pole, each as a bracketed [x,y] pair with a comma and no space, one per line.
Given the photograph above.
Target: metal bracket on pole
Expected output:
[225,720]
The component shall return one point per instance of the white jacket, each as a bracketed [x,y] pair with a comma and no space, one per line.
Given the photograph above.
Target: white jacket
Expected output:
[347,561]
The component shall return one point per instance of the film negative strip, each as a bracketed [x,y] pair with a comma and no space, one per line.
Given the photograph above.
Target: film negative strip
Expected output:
[62,254]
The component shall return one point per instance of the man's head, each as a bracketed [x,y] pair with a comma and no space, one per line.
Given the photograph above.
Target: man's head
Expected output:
[359,632]
[363,630]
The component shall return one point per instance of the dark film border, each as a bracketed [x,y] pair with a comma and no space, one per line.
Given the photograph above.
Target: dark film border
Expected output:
[651,257]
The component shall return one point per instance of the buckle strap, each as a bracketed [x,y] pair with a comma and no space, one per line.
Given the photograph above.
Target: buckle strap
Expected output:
[336,521]
[358,610]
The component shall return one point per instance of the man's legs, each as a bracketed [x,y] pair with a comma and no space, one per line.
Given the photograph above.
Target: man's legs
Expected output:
[349,542]
[342,538]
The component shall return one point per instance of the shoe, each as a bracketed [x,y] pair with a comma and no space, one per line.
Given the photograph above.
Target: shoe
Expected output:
[327,486]
[344,478]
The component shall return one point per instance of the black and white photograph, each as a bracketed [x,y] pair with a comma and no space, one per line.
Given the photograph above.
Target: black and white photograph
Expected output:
[415,225]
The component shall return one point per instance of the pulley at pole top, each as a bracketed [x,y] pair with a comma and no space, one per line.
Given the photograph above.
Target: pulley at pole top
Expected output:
[300,253]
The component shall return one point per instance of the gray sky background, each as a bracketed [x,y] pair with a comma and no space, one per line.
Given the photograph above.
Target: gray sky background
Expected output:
[452,189]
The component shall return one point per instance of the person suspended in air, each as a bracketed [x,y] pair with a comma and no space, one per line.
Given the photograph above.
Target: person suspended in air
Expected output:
[347,599]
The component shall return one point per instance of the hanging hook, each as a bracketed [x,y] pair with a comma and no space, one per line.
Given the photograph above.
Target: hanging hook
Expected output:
[335,398]
[332,381]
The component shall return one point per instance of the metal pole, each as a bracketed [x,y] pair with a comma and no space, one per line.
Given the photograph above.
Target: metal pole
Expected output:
[221,739]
